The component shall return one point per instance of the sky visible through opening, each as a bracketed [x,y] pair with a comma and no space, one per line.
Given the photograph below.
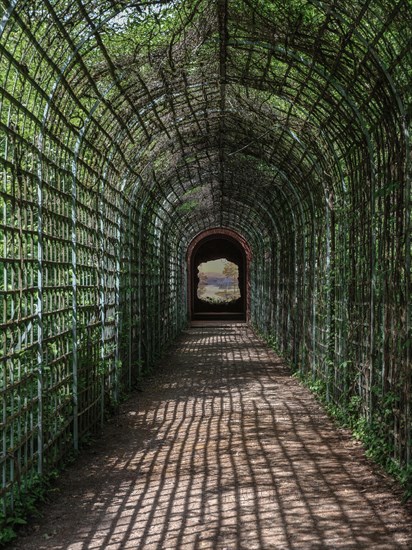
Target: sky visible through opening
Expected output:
[218,281]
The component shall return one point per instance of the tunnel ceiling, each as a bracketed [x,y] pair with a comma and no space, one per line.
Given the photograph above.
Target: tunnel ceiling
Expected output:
[249,113]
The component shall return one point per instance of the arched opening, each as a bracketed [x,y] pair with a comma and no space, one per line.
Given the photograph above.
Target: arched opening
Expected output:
[218,271]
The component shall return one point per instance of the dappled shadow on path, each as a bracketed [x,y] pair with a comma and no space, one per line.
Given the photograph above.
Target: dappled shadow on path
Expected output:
[223,450]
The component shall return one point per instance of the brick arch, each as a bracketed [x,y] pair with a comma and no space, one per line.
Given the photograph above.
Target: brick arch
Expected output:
[230,244]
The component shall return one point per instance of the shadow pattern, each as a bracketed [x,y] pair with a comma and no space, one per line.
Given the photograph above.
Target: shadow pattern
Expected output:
[222,450]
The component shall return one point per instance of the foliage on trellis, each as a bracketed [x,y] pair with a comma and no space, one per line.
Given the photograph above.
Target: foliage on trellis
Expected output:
[129,127]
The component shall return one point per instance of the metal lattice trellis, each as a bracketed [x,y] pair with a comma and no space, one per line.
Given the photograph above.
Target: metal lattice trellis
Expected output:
[128,128]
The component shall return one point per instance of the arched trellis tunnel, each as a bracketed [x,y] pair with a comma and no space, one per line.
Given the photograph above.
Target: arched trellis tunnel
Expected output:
[128,128]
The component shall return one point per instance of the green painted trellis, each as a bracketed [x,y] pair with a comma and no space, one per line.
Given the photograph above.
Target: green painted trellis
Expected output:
[126,130]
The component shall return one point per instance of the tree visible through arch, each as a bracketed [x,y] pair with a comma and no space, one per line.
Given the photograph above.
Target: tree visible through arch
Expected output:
[229,256]
[218,281]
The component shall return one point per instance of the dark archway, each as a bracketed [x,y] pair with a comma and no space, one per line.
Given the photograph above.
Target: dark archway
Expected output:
[215,244]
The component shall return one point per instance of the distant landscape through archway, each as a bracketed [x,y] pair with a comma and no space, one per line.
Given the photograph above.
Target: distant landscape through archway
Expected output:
[218,268]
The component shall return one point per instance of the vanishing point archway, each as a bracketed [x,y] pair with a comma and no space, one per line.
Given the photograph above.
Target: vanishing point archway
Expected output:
[219,244]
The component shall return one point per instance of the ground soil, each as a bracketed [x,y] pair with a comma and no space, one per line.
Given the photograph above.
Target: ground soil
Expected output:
[223,449]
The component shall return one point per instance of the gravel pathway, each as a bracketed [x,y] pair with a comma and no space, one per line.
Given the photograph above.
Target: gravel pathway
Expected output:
[222,450]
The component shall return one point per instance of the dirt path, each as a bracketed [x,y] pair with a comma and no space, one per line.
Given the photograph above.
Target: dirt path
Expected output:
[223,450]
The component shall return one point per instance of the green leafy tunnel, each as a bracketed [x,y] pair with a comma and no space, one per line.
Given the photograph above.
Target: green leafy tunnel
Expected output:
[128,128]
